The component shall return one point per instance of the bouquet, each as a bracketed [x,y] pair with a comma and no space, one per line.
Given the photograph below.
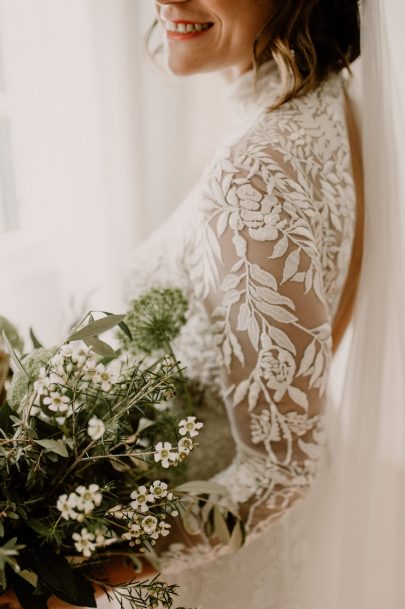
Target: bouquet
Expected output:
[91,458]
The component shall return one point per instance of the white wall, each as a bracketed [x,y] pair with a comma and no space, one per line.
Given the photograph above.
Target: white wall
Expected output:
[104,149]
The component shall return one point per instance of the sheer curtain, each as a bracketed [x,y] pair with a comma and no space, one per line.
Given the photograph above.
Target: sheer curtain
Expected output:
[104,148]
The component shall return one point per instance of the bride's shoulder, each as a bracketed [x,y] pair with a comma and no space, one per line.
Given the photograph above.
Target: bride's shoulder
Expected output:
[307,127]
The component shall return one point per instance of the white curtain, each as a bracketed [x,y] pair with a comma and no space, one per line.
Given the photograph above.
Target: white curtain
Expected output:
[104,148]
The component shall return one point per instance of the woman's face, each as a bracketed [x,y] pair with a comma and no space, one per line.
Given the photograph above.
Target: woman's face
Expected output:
[211,35]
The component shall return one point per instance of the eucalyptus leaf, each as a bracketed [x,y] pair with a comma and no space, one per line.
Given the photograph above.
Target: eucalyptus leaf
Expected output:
[202,487]
[56,573]
[38,527]
[35,342]
[190,523]
[125,329]
[5,419]
[221,529]
[55,446]
[99,346]
[13,334]
[29,576]
[25,593]
[97,327]
[122,325]
[13,354]
[237,537]
[84,593]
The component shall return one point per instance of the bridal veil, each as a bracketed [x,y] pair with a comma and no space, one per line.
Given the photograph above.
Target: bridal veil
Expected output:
[359,561]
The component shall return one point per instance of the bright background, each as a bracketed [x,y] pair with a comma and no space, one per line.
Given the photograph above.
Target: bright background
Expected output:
[96,148]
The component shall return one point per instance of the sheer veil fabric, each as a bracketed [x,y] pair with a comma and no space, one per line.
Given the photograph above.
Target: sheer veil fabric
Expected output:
[359,559]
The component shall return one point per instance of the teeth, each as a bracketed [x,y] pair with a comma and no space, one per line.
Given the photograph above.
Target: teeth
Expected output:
[185,28]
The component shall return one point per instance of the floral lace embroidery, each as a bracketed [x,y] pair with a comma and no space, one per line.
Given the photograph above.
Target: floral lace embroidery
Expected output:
[266,250]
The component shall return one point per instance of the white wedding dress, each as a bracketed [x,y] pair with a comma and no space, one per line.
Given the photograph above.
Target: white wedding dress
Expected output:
[261,247]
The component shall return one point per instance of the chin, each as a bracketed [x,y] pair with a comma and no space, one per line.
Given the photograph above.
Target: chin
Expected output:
[182,68]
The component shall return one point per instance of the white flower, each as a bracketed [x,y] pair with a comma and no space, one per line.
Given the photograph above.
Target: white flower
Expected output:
[164,454]
[57,402]
[90,369]
[100,537]
[88,498]
[189,426]
[66,506]
[96,428]
[84,542]
[149,524]
[58,361]
[42,383]
[66,350]
[141,498]
[81,354]
[134,532]
[164,527]
[158,489]
[185,446]
[105,378]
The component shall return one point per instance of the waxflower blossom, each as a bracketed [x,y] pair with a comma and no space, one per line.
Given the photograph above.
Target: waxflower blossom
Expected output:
[133,534]
[84,542]
[185,445]
[88,498]
[96,428]
[190,426]
[66,505]
[81,354]
[104,377]
[164,454]
[141,498]
[149,524]
[164,527]
[57,402]
[158,489]
[41,385]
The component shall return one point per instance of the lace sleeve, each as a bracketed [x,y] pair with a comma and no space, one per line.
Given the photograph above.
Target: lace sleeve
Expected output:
[274,328]
[260,274]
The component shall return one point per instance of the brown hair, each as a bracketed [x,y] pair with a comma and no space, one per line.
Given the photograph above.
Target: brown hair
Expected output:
[308,39]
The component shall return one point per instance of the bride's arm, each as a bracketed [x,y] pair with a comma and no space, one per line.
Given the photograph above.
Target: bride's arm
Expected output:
[265,275]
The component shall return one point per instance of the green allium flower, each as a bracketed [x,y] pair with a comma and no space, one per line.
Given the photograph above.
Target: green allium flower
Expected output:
[12,334]
[154,320]
[22,382]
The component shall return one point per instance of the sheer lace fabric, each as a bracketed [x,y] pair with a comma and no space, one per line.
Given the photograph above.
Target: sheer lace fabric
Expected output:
[262,247]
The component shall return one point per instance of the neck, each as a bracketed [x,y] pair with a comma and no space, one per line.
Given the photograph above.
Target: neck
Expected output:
[232,73]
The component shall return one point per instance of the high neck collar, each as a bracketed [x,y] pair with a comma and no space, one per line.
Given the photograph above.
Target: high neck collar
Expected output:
[251,92]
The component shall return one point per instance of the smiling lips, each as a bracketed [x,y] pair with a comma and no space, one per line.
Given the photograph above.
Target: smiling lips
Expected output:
[185,29]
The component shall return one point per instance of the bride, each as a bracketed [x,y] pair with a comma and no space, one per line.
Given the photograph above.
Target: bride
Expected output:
[267,247]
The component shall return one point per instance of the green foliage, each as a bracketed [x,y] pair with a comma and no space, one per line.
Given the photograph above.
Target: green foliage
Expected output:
[23,380]
[95,417]
[154,320]
[12,334]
